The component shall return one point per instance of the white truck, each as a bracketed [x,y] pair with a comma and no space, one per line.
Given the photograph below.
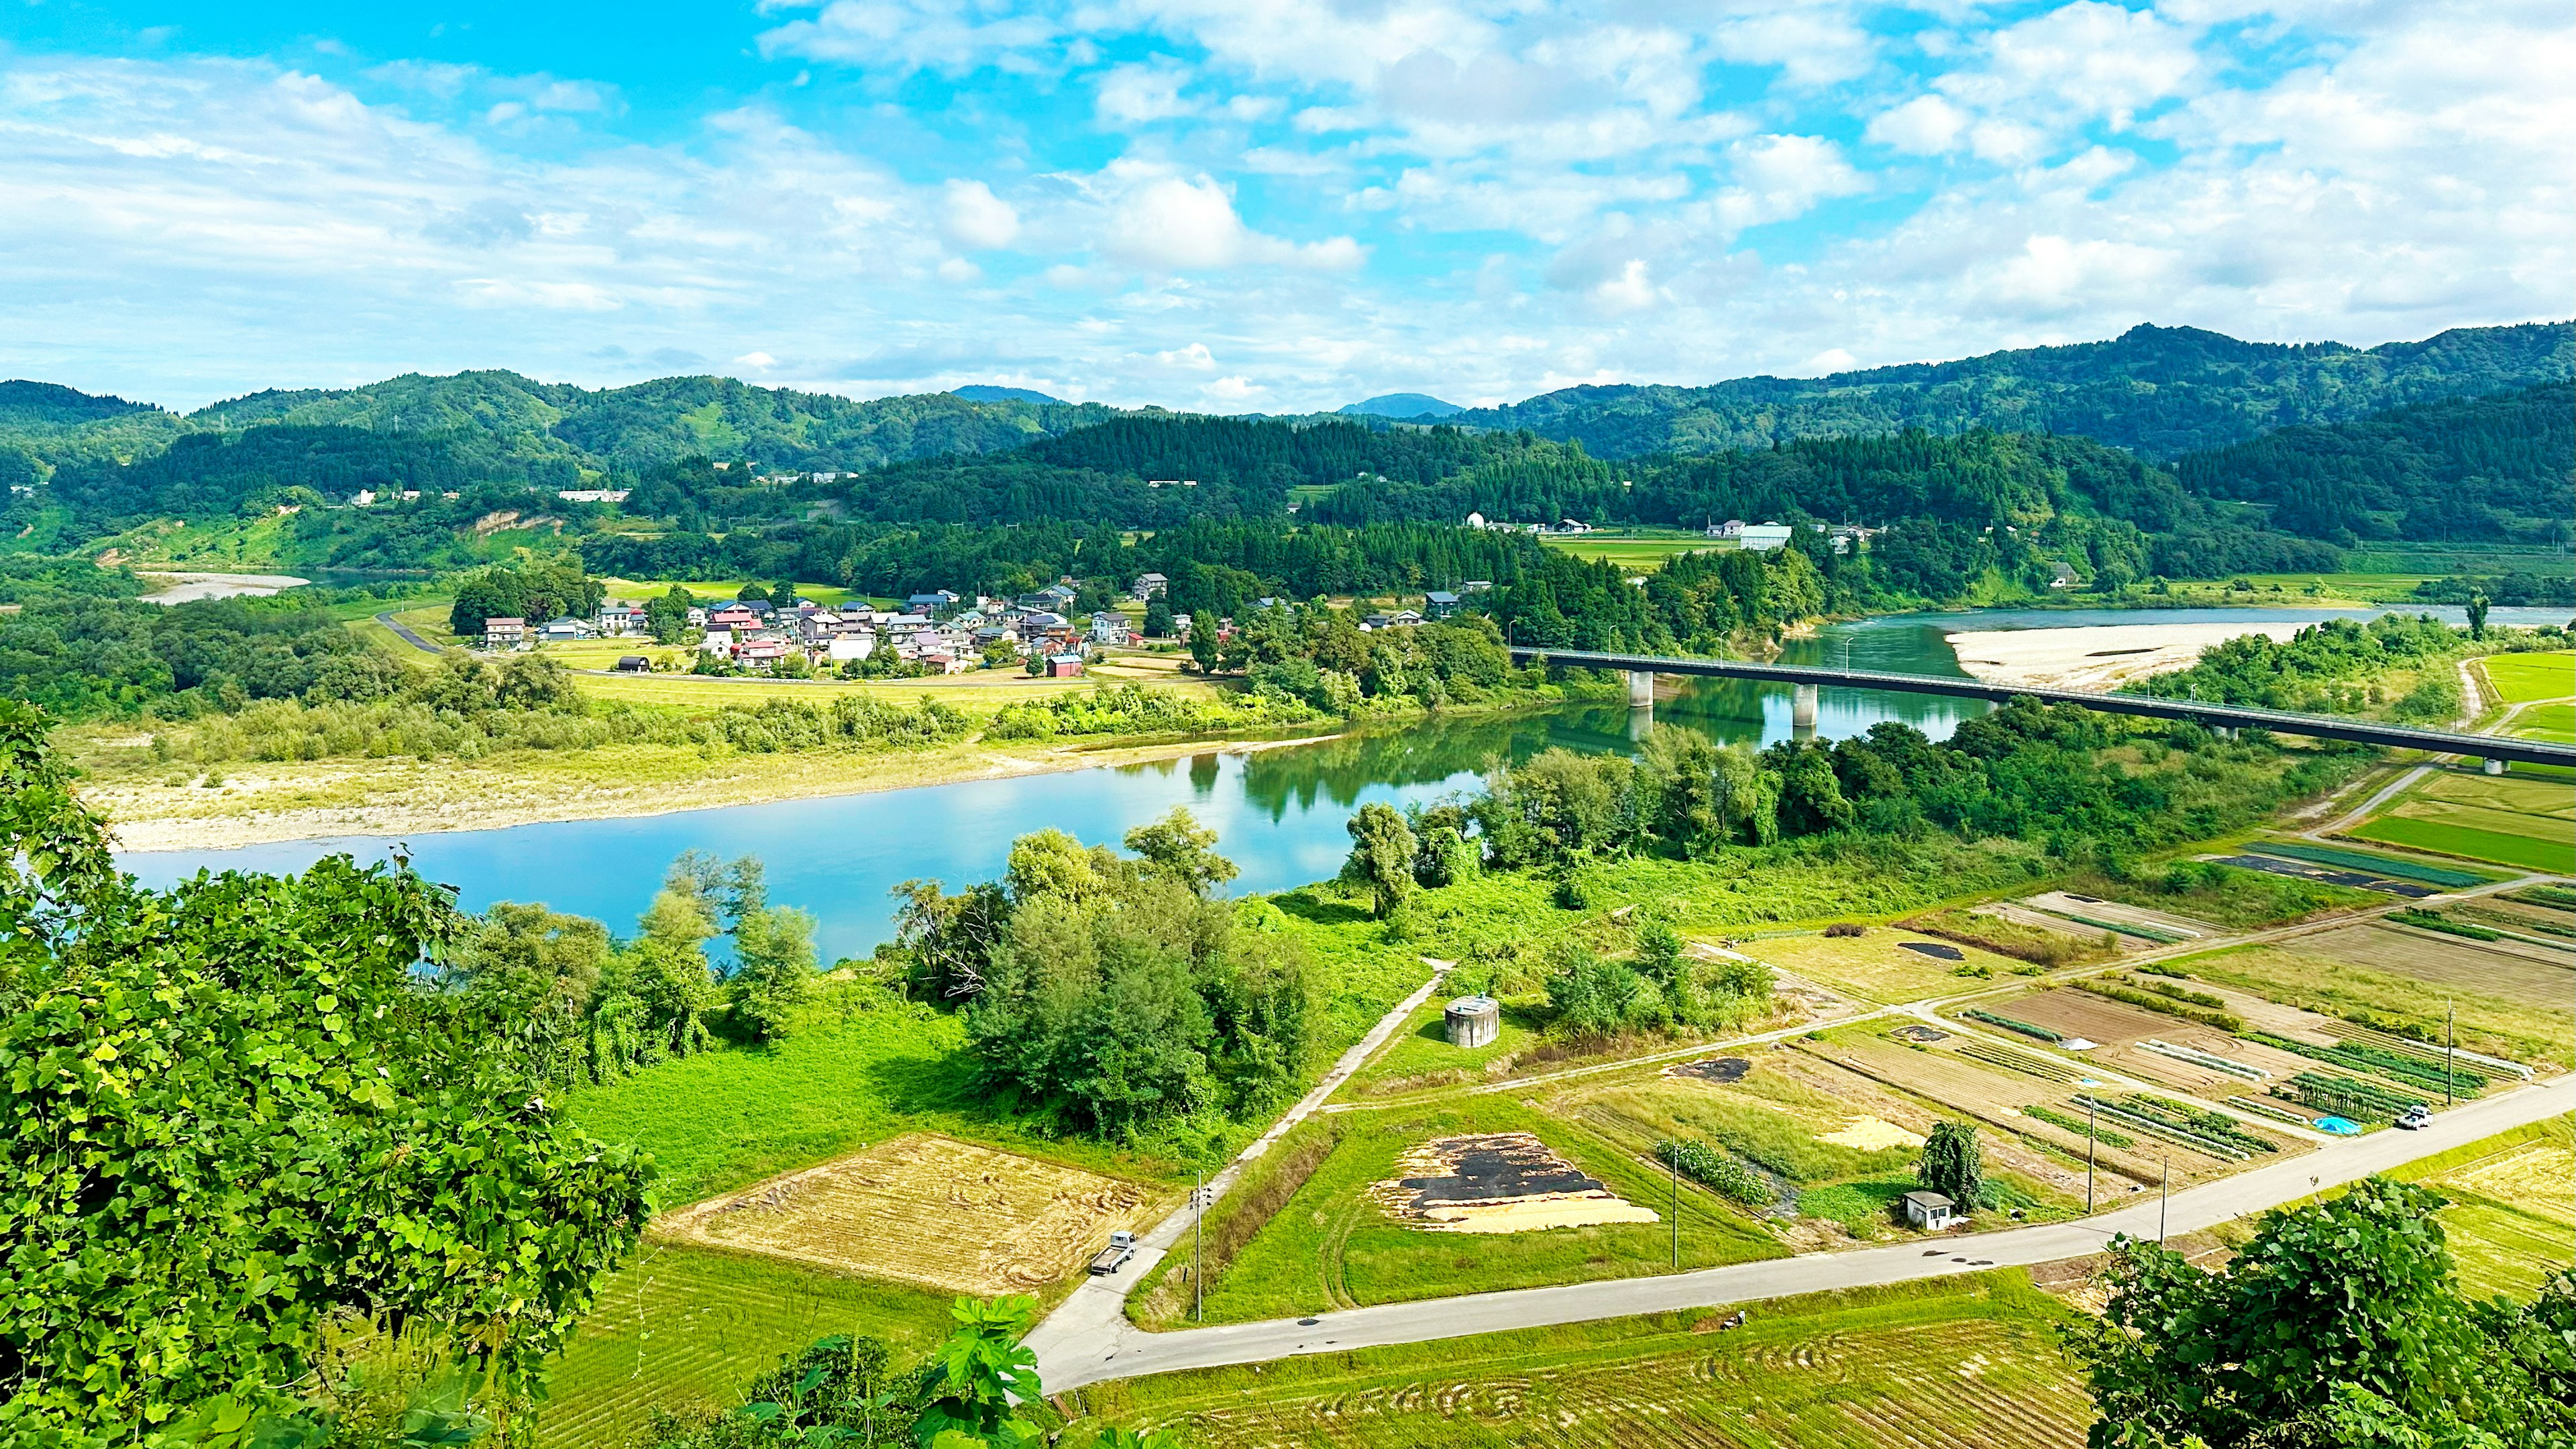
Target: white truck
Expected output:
[1122,1246]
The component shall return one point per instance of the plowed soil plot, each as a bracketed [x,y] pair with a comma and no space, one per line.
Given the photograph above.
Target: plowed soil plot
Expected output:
[2527,975]
[1935,949]
[2077,1013]
[1712,1069]
[929,1210]
[1508,1182]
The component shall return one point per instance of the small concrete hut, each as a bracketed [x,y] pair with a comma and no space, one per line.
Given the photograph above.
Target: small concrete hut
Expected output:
[1474,1021]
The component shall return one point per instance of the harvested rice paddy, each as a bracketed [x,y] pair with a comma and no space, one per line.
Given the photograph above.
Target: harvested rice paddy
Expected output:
[926,1210]
[1965,1364]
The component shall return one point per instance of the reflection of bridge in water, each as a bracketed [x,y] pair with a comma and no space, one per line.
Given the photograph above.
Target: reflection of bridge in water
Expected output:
[1641,670]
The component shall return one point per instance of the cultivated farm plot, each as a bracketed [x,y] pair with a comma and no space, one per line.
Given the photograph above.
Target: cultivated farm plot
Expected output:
[1883,966]
[2521,677]
[2525,974]
[2119,1030]
[929,1210]
[1961,1367]
[2509,819]
[2512,1217]
[2521,1027]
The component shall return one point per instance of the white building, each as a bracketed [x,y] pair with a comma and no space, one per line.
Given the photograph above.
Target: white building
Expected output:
[1764,537]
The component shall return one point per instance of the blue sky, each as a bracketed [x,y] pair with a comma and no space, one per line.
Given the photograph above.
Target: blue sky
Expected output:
[1245,205]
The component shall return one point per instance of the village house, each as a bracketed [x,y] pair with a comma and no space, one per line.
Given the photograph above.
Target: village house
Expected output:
[1108,628]
[617,616]
[732,616]
[565,629]
[505,633]
[1439,604]
[1151,586]
[1064,666]
[761,653]
[856,644]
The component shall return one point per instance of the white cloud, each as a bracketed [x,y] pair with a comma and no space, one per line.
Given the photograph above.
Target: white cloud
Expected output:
[943,35]
[972,217]
[1167,223]
[760,361]
[1133,95]
[1923,126]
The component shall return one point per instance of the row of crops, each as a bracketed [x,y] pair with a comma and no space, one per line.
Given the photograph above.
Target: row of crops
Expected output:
[2070,1123]
[2036,1033]
[2200,1130]
[2014,1061]
[2343,1096]
[2364,1057]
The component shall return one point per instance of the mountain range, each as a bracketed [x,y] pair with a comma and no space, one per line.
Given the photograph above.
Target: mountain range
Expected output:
[2157,391]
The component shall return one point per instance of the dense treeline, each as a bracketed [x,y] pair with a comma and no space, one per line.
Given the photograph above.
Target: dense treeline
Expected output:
[1109,993]
[2163,391]
[268,1145]
[85,658]
[2337,667]
[2484,469]
[1703,603]
[214,474]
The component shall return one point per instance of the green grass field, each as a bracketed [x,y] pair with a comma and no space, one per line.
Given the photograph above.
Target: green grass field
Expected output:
[1636,554]
[2522,677]
[1969,1363]
[724,1118]
[1332,1246]
[829,594]
[2547,722]
[682,1328]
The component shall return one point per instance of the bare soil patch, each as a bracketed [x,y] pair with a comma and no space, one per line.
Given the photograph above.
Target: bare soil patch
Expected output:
[1712,1069]
[925,1209]
[1504,1182]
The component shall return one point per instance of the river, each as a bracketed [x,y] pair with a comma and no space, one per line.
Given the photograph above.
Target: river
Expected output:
[1279,813]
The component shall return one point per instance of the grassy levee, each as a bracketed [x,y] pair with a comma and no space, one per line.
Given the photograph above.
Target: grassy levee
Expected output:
[684,1327]
[1331,1245]
[2512,1218]
[2555,722]
[1966,1363]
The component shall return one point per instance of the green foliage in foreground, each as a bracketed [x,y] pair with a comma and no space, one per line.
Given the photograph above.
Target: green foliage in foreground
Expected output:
[2338,1325]
[237,1125]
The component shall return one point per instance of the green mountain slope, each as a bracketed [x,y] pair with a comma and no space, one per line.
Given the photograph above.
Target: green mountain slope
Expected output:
[2162,391]
[2492,469]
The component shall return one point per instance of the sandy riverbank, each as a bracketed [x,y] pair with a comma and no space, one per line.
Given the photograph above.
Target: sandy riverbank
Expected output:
[2100,657]
[186,588]
[262,802]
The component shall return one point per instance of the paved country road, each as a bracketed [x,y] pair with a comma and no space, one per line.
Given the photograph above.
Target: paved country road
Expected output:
[403,632]
[1113,1348]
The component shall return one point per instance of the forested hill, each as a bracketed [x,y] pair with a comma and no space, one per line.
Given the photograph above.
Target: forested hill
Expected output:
[2163,391]
[2495,469]
[519,418]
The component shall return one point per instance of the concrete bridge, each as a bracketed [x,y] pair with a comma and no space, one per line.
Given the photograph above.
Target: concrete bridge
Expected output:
[1641,669]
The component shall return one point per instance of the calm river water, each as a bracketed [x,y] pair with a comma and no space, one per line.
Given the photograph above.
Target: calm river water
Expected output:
[1279,812]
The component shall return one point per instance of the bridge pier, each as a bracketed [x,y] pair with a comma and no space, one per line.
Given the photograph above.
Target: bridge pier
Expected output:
[2495,767]
[1641,688]
[1802,711]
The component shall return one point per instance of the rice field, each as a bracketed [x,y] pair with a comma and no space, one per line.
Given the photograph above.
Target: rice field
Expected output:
[1635,555]
[2519,678]
[1966,1364]
[928,1210]
[2547,722]
[681,1327]
[2508,819]
[2512,1218]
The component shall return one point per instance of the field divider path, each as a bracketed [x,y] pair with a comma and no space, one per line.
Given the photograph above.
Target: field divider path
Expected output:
[1129,1352]
[1097,1307]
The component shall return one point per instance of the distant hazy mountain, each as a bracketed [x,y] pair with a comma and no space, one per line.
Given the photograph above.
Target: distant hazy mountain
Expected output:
[2161,391]
[1402,405]
[983,392]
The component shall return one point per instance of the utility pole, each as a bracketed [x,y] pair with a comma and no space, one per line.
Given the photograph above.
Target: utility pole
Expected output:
[2089,1115]
[1198,1249]
[2164,1204]
[2450,1050]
